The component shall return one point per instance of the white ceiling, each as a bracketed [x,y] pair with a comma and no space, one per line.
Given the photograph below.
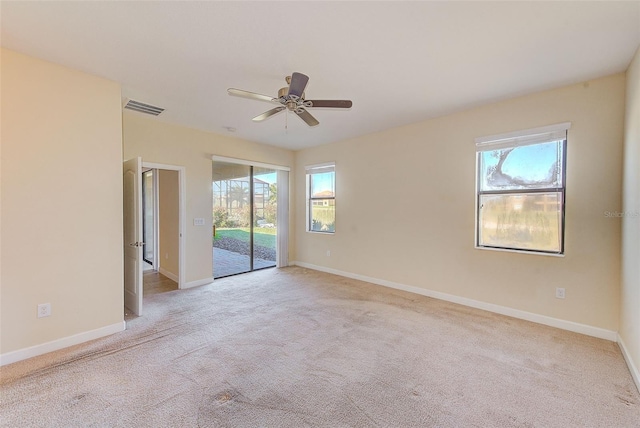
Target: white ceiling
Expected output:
[400,62]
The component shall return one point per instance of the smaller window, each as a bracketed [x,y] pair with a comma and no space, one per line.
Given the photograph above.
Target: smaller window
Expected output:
[321,198]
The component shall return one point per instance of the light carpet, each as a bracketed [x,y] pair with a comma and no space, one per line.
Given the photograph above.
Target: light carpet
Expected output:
[295,347]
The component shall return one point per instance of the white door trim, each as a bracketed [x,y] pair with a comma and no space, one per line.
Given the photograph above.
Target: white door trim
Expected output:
[182,217]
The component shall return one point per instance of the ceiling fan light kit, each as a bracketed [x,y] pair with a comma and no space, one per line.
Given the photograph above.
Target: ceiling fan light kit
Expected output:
[292,98]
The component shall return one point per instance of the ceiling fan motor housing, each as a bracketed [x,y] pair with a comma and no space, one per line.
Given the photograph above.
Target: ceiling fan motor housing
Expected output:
[291,103]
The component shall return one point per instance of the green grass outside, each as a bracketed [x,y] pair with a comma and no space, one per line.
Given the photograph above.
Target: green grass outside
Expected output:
[263,236]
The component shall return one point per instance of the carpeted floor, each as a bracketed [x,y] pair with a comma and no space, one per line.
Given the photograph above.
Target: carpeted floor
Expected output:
[295,347]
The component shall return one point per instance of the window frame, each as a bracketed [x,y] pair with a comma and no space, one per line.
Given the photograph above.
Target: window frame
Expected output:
[547,134]
[328,167]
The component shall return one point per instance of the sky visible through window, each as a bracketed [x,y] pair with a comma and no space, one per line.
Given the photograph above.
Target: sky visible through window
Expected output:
[270,177]
[323,184]
[526,166]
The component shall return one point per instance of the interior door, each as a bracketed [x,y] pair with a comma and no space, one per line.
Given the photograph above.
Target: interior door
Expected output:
[133,243]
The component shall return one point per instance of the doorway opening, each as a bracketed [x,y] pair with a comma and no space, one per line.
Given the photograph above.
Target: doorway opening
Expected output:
[246,225]
[160,229]
[154,211]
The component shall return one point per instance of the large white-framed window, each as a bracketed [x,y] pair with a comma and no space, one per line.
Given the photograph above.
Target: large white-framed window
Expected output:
[520,190]
[321,198]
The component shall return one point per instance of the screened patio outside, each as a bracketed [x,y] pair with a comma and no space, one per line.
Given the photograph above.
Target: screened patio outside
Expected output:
[244,227]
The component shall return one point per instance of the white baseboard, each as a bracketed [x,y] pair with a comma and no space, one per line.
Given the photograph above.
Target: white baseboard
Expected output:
[65,342]
[503,310]
[172,276]
[635,374]
[198,282]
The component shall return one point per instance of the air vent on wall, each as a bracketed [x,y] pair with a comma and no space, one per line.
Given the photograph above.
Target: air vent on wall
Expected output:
[143,108]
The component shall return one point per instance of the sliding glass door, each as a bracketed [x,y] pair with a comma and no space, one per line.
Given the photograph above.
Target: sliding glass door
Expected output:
[244,218]
[265,191]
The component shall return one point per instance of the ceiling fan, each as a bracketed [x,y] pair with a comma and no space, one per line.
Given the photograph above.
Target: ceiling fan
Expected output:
[291,98]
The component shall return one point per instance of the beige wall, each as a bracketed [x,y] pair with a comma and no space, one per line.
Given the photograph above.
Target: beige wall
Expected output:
[61,202]
[168,209]
[159,142]
[630,307]
[406,197]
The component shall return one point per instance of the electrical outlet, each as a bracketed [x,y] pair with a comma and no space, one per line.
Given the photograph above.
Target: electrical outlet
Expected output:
[560,293]
[44,310]
[328,253]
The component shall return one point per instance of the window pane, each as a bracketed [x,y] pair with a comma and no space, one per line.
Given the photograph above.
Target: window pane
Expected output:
[537,166]
[521,221]
[322,185]
[323,215]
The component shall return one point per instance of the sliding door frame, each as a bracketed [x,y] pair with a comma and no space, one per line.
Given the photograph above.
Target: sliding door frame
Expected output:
[282,235]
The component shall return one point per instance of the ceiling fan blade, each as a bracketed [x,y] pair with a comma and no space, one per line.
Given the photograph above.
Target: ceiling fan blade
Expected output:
[306,116]
[330,103]
[298,83]
[268,114]
[251,95]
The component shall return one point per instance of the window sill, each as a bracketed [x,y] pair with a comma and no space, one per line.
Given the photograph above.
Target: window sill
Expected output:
[315,232]
[506,250]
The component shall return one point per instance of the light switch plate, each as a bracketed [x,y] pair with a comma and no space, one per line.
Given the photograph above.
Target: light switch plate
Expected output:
[198,222]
